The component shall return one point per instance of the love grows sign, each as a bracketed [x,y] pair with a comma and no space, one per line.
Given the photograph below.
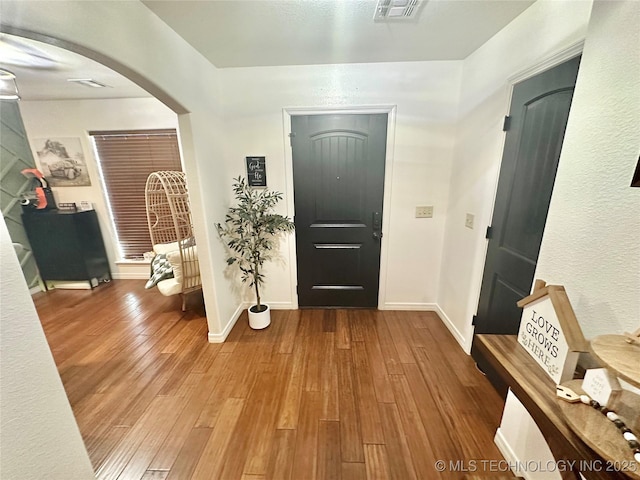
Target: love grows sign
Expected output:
[550,333]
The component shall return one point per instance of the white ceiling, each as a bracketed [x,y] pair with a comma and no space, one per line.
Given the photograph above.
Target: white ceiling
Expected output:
[244,33]
[43,73]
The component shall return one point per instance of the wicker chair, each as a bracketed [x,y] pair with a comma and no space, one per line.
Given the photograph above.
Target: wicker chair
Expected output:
[171,231]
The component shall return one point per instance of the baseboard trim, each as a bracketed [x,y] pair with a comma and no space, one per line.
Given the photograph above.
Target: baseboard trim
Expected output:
[69,285]
[509,455]
[130,276]
[36,289]
[408,306]
[221,337]
[465,344]
[277,305]
[418,307]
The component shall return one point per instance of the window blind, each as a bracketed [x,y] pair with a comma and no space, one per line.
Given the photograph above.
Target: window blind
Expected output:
[126,159]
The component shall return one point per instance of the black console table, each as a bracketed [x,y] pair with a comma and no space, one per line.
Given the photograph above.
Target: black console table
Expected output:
[67,246]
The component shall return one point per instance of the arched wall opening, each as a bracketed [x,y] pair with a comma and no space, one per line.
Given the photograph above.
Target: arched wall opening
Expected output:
[184,125]
[179,77]
[35,403]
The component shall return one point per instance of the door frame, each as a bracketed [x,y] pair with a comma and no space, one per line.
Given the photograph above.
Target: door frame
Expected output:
[546,63]
[289,112]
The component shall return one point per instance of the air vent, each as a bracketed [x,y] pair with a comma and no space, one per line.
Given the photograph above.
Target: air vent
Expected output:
[396,10]
[87,82]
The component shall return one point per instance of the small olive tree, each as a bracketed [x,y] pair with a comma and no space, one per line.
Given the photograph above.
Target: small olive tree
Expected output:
[249,231]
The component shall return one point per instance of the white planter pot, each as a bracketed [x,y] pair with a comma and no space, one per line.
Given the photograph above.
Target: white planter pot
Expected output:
[260,320]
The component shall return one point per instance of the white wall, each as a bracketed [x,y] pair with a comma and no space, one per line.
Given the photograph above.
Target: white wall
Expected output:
[426,95]
[541,31]
[74,118]
[521,443]
[591,241]
[39,438]
[150,53]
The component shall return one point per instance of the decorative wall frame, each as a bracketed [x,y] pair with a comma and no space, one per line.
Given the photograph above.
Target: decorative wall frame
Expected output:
[256,171]
[550,332]
[62,161]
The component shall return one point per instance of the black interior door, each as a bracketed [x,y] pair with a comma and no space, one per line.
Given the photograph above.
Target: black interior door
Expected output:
[537,121]
[338,174]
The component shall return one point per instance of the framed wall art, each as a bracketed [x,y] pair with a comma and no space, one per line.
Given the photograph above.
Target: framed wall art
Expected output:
[256,171]
[62,161]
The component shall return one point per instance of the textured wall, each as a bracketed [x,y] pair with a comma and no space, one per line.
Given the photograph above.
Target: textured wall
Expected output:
[539,32]
[39,438]
[591,242]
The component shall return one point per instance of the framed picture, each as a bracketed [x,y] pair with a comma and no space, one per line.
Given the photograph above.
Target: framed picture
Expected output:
[62,161]
[256,171]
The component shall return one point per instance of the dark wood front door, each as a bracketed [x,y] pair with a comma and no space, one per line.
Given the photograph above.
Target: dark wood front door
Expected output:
[338,175]
[536,125]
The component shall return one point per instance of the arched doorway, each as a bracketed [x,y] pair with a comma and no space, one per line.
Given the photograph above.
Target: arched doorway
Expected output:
[59,27]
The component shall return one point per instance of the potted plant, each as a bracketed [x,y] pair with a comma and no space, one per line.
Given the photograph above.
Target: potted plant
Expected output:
[249,232]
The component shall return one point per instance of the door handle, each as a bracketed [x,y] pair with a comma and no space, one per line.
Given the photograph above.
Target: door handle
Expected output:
[377,221]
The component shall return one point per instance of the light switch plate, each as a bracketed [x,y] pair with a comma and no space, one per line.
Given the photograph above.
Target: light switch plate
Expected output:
[468,222]
[424,211]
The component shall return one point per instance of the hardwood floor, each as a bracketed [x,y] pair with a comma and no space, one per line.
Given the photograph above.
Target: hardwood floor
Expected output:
[320,394]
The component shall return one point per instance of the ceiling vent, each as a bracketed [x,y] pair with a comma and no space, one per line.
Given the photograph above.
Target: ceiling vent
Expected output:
[87,82]
[396,10]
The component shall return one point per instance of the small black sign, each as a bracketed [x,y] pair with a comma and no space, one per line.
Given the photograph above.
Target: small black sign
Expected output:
[257,171]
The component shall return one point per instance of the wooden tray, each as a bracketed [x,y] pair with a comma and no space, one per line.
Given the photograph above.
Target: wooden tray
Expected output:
[600,433]
[620,356]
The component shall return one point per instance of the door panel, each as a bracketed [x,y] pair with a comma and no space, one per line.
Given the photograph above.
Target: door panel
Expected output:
[339,156]
[538,118]
[535,170]
[338,170]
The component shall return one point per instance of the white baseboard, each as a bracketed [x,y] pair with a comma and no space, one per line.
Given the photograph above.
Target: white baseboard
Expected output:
[278,305]
[512,459]
[431,307]
[508,453]
[465,343]
[423,307]
[130,276]
[36,289]
[131,270]
[68,285]
[409,306]
[221,337]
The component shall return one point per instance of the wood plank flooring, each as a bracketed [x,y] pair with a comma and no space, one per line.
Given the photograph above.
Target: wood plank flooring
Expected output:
[320,394]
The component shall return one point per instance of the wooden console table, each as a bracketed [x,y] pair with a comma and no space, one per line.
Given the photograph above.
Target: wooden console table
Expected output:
[537,392]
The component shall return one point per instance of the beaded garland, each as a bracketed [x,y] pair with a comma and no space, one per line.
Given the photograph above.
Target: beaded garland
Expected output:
[628,435]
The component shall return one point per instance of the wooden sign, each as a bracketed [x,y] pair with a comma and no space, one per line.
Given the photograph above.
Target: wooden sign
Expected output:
[601,386]
[256,171]
[550,332]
